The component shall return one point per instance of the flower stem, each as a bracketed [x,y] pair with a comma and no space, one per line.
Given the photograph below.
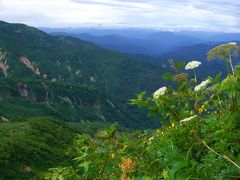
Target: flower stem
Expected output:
[219,101]
[195,76]
[223,156]
[231,64]
[174,112]
[227,66]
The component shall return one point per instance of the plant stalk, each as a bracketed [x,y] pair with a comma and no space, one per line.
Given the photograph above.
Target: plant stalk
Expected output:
[223,156]
[195,75]
[231,64]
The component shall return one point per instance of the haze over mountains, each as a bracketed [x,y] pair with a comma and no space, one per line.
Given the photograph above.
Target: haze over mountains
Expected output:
[156,46]
[145,41]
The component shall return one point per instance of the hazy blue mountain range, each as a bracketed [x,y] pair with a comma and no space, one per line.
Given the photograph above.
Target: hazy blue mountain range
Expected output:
[144,41]
[115,42]
[212,36]
[158,47]
[150,44]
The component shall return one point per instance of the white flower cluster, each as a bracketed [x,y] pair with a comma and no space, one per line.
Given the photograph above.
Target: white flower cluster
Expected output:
[232,43]
[188,119]
[202,85]
[192,65]
[160,92]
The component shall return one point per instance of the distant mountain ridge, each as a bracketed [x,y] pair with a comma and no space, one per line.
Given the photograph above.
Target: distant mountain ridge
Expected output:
[144,41]
[113,42]
[151,44]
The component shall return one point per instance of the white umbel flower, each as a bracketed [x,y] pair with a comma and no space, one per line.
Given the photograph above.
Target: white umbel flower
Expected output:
[192,65]
[202,85]
[188,119]
[233,43]
[160,92]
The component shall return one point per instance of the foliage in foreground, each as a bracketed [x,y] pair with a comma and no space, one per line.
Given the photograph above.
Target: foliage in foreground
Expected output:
[199,138]
[30,147]
[168,153]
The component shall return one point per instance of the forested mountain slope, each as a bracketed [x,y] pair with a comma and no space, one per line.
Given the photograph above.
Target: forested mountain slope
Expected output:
[69,78]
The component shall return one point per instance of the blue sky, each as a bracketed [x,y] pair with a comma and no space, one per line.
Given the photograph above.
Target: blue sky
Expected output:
[205,15]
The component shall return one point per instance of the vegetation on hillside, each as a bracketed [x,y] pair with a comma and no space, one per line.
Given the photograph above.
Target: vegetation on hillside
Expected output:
[31,146]
[199,138]
[56,73]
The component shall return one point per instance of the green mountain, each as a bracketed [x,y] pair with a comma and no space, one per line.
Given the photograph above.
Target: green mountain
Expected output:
[71,79]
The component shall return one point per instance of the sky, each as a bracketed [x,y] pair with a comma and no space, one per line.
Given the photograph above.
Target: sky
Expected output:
[173,15]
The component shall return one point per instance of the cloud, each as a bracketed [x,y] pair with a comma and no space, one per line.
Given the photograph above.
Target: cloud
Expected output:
[214,15]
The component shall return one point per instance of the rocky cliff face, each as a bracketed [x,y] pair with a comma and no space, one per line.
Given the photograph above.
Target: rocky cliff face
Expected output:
[69,102]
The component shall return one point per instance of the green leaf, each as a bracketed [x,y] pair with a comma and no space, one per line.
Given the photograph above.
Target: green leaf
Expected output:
[141,95]
[61,177]
[167,76]
[80,158]
[179,65]
[85,165]
[143,178]
[176,167]
[238,99]
[217,78]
